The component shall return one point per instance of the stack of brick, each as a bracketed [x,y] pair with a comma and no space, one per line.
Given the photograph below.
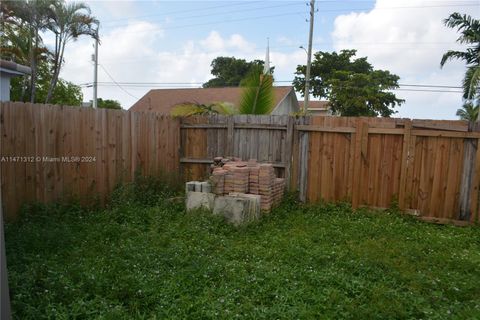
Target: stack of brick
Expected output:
[232,175]
[229,180]
[266,180]
[218,181]
[278,187]
[240,179]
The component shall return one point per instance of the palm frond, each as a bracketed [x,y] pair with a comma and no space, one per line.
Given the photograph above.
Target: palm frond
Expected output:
[224,108]
[257,96]
[468,112]
[187,109]
[471,82]
[450,55]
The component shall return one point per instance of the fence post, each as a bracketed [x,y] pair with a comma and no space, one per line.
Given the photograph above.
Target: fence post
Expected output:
[361,145]
[288,151]
[467,187]
[405,164]
[4,291]
[230,135]
[303,161]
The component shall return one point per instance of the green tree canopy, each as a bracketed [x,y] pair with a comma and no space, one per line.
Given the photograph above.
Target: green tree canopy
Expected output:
[65,92]
[230,71]
[352,86]
[108,104]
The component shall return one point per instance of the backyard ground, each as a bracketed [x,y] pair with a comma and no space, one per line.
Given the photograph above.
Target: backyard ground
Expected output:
[144,257]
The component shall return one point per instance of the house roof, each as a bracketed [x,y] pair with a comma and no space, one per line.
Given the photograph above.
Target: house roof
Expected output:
[163,100]
[12,68]
[315,105]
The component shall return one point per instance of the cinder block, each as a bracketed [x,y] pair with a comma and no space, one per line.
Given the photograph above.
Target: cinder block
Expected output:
[190,186]
[199,200]
[206,187]
[198,186]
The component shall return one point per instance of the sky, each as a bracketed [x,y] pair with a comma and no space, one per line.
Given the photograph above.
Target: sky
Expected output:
[158,44]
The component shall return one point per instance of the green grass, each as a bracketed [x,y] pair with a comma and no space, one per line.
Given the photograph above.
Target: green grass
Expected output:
[154,261]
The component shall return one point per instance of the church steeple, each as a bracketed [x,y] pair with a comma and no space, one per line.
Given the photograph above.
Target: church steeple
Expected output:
[266,68]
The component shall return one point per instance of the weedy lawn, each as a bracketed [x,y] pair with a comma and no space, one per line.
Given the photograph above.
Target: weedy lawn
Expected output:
[143,257]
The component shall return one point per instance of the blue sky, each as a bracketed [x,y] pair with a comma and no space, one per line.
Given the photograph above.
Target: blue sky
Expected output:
[151,43]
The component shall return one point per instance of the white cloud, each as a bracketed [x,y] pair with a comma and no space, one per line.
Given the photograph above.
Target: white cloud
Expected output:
[133,54]
[215,42]
[410,43]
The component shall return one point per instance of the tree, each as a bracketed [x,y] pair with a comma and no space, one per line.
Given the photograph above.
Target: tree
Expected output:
[469,29]
[468,112]
[69,21]
[230,71]
[258,96]
[352,86]
[65,93]
[108,104]
[34,15]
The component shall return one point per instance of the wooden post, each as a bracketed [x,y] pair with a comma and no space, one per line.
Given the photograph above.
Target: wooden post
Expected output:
[4,291]
[288,151]
[303,161]
[470,148]
[230,136]
[361,145]
[405,164]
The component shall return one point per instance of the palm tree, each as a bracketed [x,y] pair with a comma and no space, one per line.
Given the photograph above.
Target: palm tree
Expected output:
[70,20]
[258,96]
[469,29]
[188,109]
[468,112]
[35,16]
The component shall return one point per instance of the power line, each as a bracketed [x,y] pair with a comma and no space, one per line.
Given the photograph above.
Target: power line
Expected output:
[220,21]
[184,11]
[473,4]
[221,13]
[279,81]
[198,84]
[116,83]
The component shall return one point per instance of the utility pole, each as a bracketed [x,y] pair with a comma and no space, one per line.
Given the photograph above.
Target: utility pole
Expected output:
[95,71]
[309,57]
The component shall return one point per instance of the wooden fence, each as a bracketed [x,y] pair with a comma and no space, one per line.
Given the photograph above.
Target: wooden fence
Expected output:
[51,152]
[428,167]
[376,161]
[265,138]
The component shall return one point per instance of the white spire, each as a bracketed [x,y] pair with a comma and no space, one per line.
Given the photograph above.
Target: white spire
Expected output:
[266,68]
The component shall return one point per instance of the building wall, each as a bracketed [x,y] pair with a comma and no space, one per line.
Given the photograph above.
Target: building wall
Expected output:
[4,87]
[287,106]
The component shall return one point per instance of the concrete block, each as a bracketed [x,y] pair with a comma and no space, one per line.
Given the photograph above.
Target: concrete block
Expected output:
[198,186]
[206,187]
[199,200]
[190,186]
[238,208]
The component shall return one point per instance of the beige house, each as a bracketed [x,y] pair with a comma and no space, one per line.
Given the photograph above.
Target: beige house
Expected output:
[163,100]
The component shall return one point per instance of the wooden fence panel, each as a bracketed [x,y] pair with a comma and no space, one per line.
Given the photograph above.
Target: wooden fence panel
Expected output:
[52,153]
[419,163]
[265,138]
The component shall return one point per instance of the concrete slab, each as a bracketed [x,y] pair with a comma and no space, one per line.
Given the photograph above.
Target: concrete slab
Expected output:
[238,208]
[199,200]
